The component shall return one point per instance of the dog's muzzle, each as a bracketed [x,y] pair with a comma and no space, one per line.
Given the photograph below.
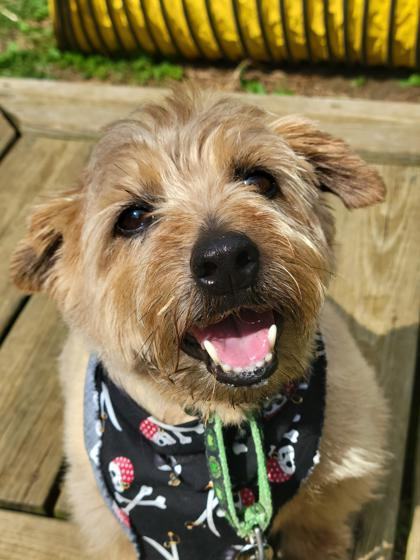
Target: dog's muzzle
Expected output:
[238,347]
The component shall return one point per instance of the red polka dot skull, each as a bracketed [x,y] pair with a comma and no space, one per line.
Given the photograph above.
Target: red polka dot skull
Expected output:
[121,471]
[154,433]
[148,428]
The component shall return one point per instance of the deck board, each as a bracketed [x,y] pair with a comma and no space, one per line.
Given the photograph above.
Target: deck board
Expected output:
[34,168]
[32,537]
[30,407]
[381,131]
[377,292]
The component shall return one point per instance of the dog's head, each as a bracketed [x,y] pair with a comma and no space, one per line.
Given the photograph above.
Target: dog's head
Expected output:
[198,247]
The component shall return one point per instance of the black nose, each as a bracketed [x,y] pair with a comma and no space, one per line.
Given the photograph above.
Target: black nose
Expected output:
[223,263]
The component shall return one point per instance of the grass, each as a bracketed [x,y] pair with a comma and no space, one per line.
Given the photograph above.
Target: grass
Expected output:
[28,49]
[359,81]
[412,81]
[253,86]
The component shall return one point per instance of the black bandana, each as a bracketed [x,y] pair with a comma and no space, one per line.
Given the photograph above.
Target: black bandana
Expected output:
[155,478]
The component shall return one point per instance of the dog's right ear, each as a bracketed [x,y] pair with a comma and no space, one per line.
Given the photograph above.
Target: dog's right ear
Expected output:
[33,262]
[338,168]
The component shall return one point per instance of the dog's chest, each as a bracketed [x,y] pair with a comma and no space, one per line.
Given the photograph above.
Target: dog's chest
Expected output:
[155,476]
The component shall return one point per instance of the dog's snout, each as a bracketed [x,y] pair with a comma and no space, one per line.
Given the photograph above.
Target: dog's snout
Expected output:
[225,262]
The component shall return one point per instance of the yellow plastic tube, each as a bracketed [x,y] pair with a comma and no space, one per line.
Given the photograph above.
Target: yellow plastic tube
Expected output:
[371,32]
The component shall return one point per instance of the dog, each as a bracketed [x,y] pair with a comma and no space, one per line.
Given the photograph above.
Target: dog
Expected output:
[191,263]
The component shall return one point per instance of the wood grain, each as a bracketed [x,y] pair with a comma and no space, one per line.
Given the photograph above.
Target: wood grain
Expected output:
[381,131]
[377,291]
[33,537]
[34,168]
[30,407]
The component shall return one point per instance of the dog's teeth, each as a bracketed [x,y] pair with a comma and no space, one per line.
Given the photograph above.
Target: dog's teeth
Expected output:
[237,370]
[268,358]
[272,335]
[259,364]
[211,351]
[226,368]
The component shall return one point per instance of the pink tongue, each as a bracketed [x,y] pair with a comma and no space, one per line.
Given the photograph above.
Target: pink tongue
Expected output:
[240,341]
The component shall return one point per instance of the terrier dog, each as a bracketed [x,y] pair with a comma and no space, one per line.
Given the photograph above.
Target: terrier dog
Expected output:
[191,264]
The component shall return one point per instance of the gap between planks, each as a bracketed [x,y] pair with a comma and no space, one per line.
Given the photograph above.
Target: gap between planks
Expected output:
[31,407]
[9,134]
[30,172]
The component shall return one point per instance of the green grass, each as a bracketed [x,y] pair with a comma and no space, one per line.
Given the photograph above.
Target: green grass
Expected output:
[359,82]
[28,49]
[253,86]
[411,81]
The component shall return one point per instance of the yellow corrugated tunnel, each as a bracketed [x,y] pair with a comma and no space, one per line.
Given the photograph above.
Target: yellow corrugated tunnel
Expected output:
[372,32]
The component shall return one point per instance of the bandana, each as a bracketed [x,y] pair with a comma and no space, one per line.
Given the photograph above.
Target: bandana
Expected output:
[155,479]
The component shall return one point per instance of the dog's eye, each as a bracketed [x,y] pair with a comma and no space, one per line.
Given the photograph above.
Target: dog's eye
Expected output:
[263,181]
[134,220]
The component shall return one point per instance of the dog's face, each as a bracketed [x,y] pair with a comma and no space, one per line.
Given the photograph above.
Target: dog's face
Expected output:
[197,249]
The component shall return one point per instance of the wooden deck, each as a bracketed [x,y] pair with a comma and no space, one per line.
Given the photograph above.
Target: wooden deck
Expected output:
[46,133]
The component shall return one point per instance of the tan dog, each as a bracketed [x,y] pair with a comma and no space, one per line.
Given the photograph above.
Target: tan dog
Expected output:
[186,216]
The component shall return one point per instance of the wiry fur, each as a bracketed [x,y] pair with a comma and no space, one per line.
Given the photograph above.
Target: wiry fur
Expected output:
[133,299]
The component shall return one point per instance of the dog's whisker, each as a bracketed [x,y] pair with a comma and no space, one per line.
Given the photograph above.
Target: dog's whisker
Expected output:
[292,277]
[142,352]
[163,309]
[150,309]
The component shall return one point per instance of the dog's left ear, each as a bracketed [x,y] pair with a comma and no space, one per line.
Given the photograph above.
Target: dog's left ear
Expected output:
[339,170]
[33,262]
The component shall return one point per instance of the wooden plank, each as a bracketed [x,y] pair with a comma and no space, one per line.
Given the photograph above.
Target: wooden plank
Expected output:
[377,291]
[33,537]
[413,545]
[8,134]
[381,131]
[30,407]
[36,166]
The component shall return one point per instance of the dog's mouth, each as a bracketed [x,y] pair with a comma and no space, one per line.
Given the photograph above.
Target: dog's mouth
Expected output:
[239,350]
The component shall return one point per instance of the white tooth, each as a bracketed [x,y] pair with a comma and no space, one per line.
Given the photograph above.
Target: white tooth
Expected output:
[268,357]
[272,334]
[211,351]
[259,364]
[226,368]
[237,370]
